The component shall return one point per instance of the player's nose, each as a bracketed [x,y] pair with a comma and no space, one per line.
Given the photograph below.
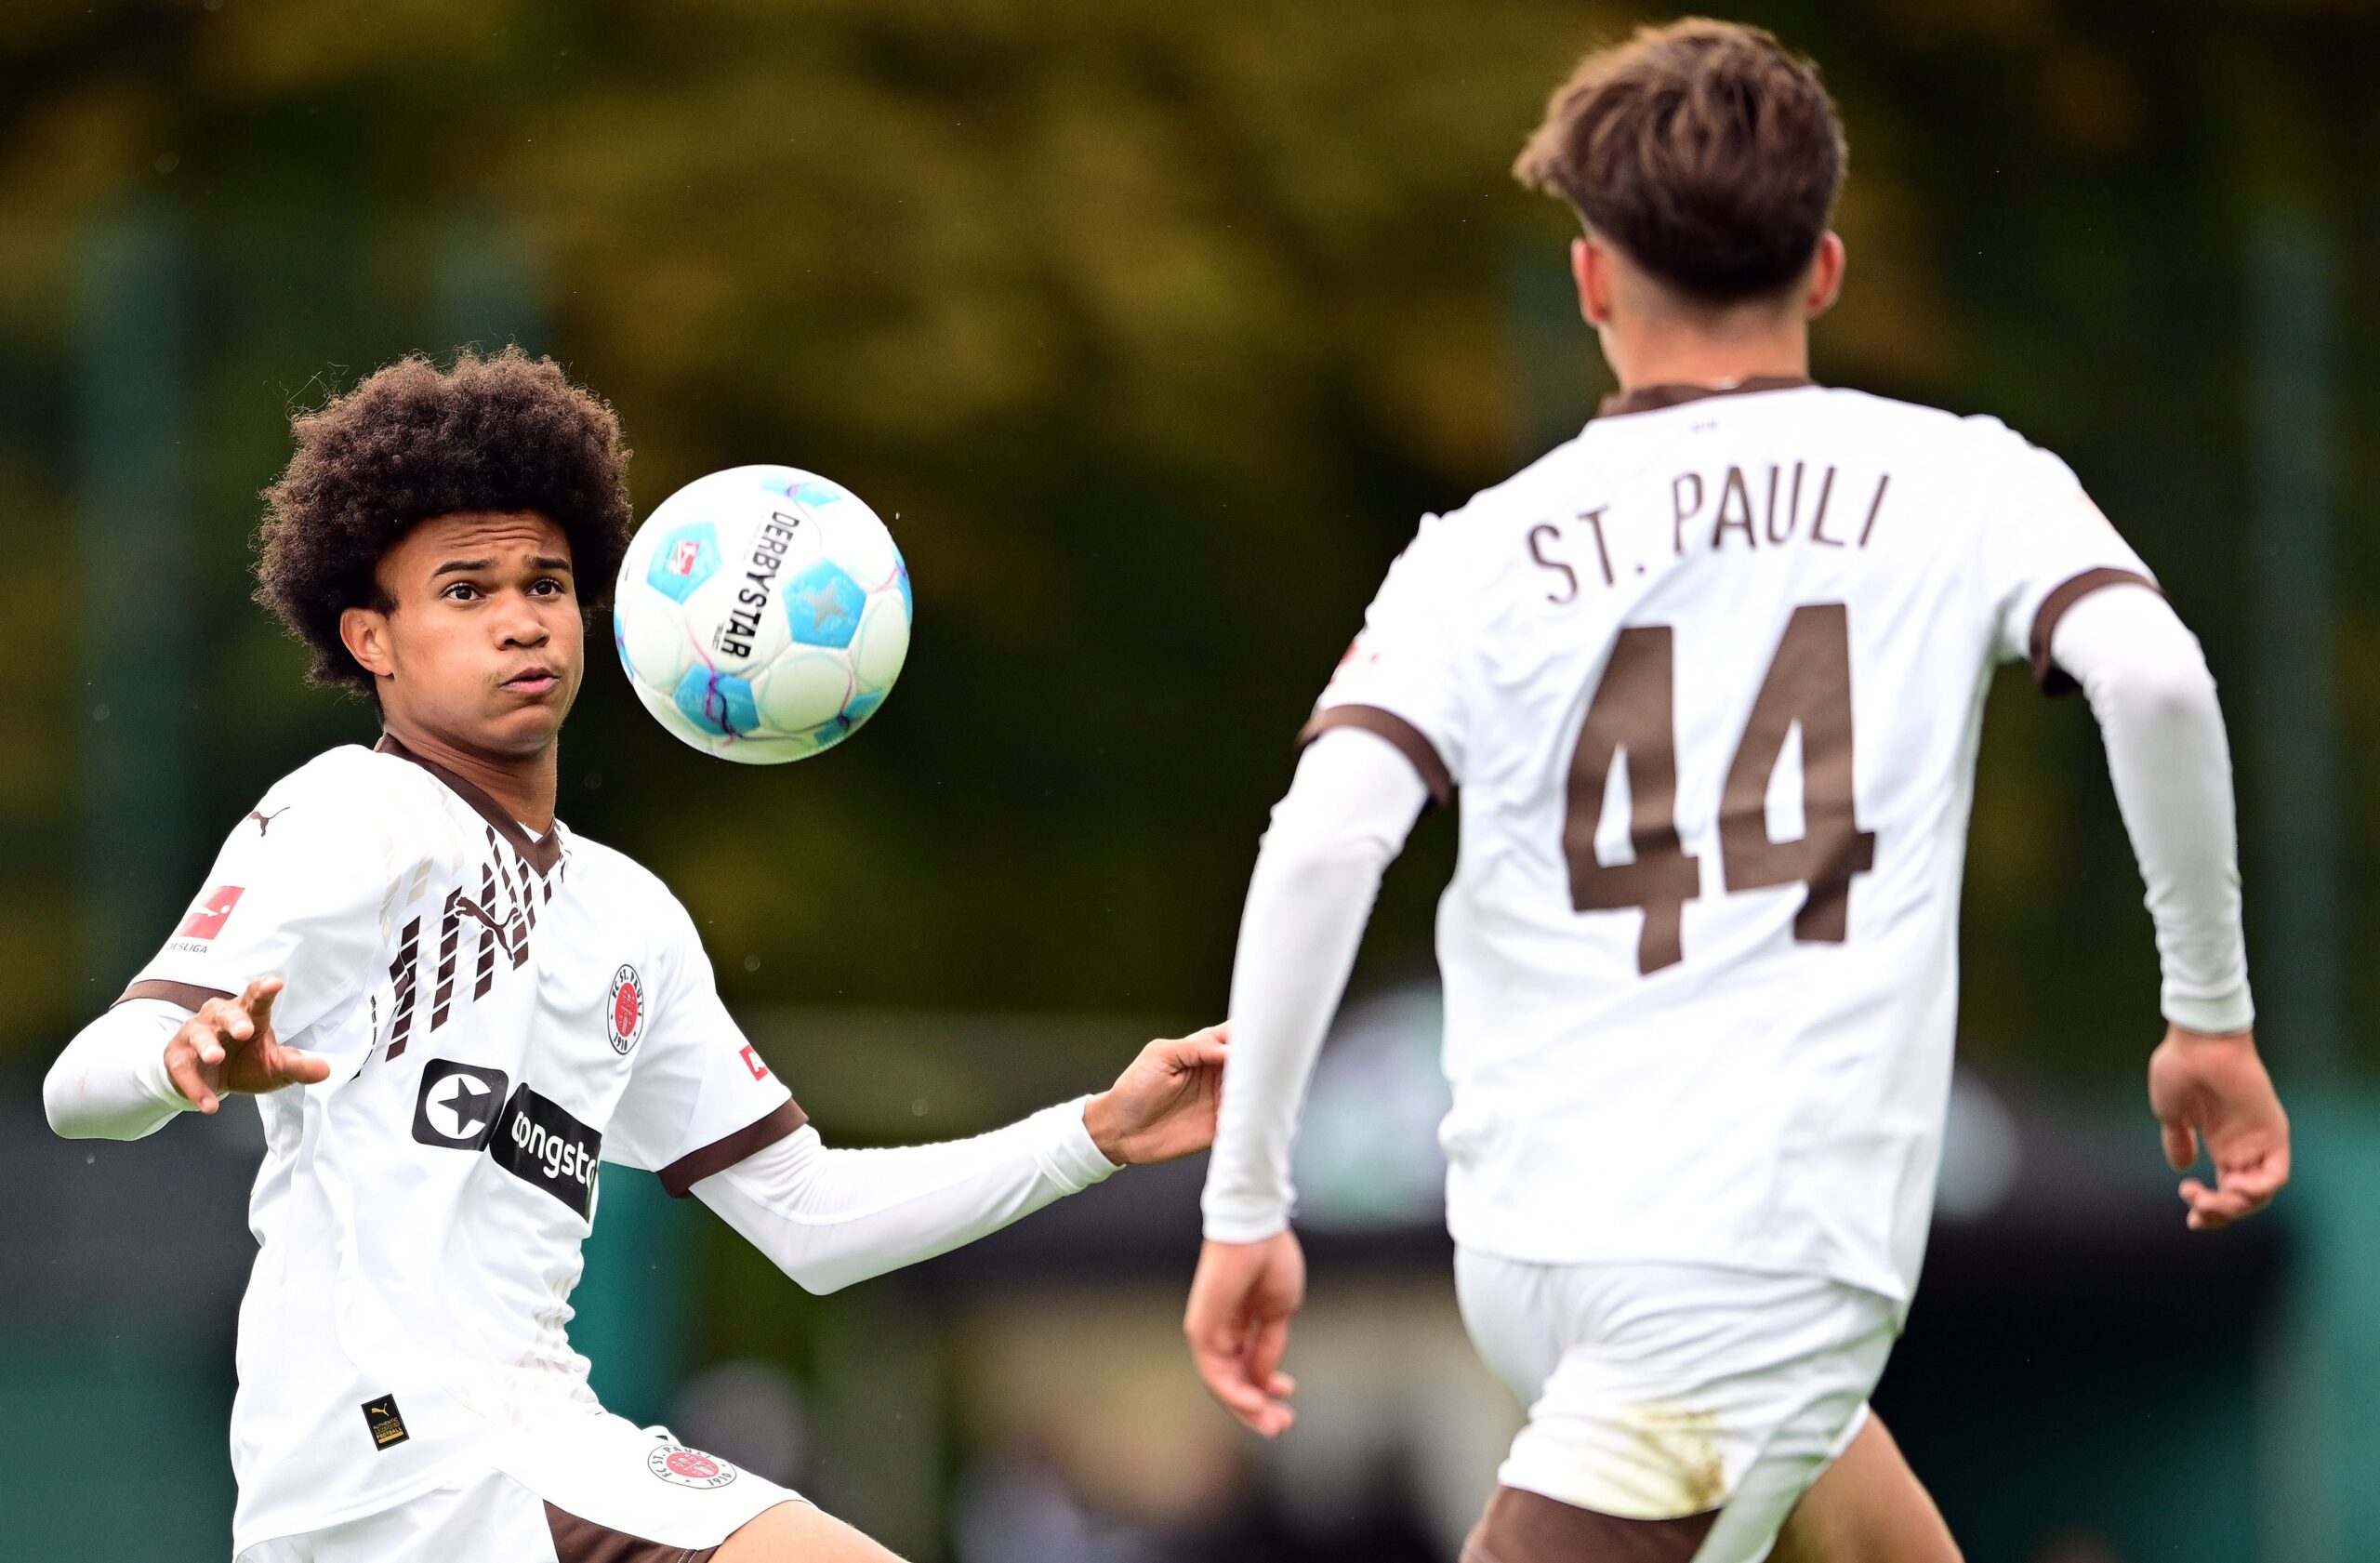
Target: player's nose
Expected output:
[522,626]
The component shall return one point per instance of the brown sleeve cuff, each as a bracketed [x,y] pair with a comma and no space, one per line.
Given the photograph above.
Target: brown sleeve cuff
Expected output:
[190,996]
[1397,730]
[2053,679]
[681,1176]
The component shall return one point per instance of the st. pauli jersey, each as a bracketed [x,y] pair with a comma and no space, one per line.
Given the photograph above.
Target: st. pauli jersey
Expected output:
[1710,680]
[501,1012]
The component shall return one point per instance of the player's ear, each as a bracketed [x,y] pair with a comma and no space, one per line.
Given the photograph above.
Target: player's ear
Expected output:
[364,632]
[1591,270]
[1825,275]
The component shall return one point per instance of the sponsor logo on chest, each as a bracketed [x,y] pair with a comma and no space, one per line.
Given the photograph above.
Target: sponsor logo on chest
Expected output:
[465,1106]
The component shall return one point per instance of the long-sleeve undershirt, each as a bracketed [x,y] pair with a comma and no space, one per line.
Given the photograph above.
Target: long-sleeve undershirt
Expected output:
[2148,683]
[826,1217]
[829,1218]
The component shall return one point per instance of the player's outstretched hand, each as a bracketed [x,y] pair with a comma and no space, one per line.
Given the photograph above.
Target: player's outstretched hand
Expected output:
[229,1046]
[2216,1088]
[1241,1302]
[1163,1104]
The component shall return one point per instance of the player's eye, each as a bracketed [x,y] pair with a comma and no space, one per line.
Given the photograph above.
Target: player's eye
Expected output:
[461,591]
[548,586]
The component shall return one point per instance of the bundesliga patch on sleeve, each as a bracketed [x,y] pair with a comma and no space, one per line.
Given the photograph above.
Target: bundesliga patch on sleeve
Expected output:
[387,1427]
[207,919]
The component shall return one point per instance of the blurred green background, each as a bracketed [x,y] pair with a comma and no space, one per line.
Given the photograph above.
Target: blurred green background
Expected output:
[1151,329]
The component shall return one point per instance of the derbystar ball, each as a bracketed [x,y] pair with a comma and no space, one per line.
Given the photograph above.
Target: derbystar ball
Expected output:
[762,614]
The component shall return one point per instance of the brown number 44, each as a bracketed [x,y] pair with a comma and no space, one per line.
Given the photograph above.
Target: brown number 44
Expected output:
[1809,682]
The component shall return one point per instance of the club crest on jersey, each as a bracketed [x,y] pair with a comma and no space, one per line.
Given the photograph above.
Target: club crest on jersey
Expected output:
[624,1013]
[680,1467]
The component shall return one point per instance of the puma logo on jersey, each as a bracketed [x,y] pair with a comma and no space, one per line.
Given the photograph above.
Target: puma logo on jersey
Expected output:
[387,1424]
[264,821]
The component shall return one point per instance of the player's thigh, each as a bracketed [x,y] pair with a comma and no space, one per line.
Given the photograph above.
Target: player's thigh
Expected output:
[1691,1397]
[1514,1312]
[1523,1527]
[798,1532]
[1869,1507]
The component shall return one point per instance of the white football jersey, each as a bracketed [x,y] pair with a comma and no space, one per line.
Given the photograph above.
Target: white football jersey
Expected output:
[500,1012]
[1711,678]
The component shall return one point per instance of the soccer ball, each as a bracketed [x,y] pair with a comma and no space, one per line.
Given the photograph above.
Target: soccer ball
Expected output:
[762,614]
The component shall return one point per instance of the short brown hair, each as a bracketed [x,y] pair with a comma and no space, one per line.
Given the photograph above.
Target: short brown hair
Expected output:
[507,432]
[1705,149]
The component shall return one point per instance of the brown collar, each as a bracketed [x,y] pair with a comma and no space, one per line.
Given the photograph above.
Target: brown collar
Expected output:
[540,852]
[1652,398]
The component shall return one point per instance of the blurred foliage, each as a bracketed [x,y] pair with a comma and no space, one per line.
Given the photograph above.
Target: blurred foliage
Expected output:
[1152,328]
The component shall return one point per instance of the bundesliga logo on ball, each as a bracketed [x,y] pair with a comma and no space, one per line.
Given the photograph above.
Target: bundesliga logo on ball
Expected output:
[762,614]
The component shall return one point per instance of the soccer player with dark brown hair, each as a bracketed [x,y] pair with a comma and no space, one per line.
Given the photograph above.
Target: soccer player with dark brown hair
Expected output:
[1711,679]
[452,1008]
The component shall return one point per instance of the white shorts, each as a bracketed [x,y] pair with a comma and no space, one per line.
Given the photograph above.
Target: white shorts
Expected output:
[1658,1391]
[598,1487]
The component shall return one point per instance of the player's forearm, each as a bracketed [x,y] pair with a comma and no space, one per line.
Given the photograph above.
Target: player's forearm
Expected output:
[110,1083]
[1346,814]
[829,1218]
[2149,685]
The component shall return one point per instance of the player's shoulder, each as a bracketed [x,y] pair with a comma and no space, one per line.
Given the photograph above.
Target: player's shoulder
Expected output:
[350,784]
[1977,442]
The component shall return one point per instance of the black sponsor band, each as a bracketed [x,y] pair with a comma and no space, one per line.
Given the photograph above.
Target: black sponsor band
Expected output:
[537,1141]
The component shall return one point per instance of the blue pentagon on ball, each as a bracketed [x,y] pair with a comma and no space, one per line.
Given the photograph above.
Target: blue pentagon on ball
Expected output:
[861,708]
[685,558]
[721,704]
[822,605]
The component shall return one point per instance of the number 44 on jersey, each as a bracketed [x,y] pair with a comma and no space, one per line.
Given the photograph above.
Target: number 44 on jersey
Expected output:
[1633,709]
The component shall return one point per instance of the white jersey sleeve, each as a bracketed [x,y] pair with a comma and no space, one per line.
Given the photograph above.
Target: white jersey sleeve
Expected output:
[1404,676]
[298,889]
[699,1099]
[2046,548]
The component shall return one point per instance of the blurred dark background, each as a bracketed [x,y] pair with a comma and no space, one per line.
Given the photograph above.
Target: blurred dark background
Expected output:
[1151,330]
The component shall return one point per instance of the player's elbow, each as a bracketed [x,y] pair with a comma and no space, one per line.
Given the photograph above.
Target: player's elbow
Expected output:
[61,1091]
[818,1278]
[2172,691]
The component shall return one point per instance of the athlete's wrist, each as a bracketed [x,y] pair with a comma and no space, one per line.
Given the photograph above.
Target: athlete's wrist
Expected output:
[1244,1223]
[2233,1014]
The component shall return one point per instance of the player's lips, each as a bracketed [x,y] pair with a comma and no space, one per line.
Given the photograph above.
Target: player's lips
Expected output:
[533,681]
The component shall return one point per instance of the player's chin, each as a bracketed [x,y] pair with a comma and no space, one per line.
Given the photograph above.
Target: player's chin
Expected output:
[526,718]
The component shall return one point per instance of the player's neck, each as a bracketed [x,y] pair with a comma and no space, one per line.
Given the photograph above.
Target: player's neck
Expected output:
[1653,357]
[523,785]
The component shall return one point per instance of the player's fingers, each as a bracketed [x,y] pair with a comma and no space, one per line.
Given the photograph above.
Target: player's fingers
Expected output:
[258,999]
[1219,1370]
[292,1066]
[181,1067]
[1267,1344]
[2181,1145]
[2213,1208]
[204,1030]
